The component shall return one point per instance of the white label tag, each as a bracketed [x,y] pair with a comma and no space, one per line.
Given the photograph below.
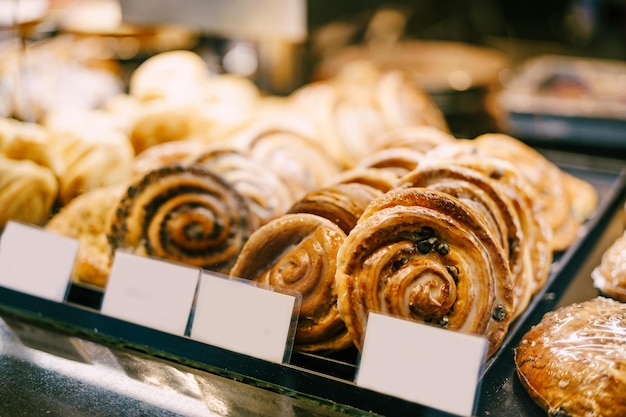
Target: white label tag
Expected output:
[35,261]
[421,363]
[245,318]
[150,292]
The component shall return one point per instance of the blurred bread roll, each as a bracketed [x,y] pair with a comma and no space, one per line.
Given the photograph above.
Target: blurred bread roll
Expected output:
[92,160]
[25,140]
[27,191]
[86,218]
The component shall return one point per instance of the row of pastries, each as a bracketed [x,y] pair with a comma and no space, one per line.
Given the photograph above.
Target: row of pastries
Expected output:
[351,191]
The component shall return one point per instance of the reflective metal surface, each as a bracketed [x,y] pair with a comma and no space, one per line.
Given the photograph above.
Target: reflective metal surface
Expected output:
[48,373]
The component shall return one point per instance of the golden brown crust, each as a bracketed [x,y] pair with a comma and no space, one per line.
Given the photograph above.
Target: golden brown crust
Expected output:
[573,362]
[341,203]
[486,196]
[86,218]
[424,255]
[176,152]
[298,252]
[268,195]
[27,192]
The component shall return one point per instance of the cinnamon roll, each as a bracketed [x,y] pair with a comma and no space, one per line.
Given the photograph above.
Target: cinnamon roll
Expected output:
[268,195]
[185,214]
[342,203]
[573,362]
[486,196]
[298,252]
[301,162]
[426,256]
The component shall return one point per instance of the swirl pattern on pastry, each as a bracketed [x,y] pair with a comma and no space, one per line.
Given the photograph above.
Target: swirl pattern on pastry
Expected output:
[185,214]
[268,195]
[342,203]
[426,256]
[573,362]
[487,197]
[300,161]
[298,252]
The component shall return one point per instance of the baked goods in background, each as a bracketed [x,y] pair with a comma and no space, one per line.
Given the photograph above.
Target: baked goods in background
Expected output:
[609,277]
[573,362]
[176,152]
[91,159]
[486,196]
[267,194]
[55,73]
[28,192]
[354,109]
[184,214]
[424,255]
[86,218]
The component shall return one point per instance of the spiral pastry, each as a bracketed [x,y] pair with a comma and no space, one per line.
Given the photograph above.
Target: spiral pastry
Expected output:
[268,194]
[341,203]
[537,251]
[301,162]
[185,214]
[418,138]
[424,255]
[399,161]
[487,197]
[298,252]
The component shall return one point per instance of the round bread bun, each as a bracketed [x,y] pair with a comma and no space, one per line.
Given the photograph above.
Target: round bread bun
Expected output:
[573,362]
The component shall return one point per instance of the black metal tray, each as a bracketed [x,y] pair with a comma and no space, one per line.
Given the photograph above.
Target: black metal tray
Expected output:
[328,381]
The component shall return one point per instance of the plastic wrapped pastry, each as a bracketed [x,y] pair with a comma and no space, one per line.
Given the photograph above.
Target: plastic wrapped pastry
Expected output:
[573,362]
[185,214]
[298,252]
[610,276]
[86,218]
[27,192]
[426,256]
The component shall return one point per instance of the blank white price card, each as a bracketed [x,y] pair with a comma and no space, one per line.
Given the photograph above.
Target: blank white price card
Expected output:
[420,363]
[236,315]
[150,292]
[35,261]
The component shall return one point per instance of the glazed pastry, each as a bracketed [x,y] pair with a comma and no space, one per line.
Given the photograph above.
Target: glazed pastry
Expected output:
[342,203]
[487,197]
[610,276]
[424,255]
[185,214]
[300,161]
[268,195]
[298,252]
[27,192]
[573,362]
[85,218]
